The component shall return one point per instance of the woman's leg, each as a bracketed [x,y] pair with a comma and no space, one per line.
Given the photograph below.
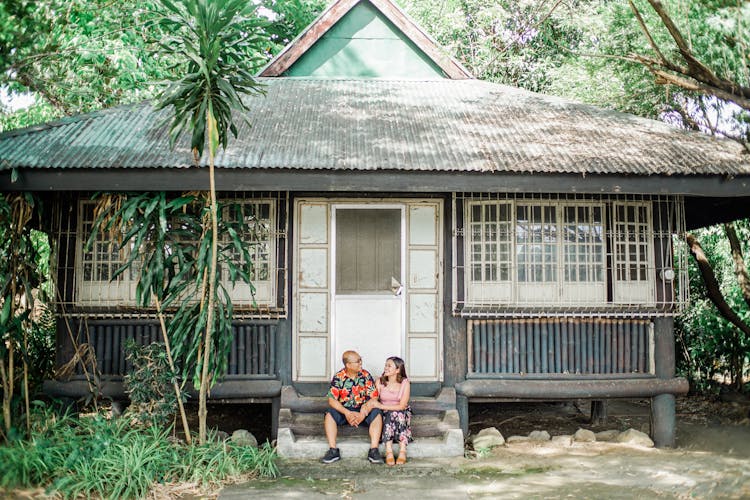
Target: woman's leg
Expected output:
[389,460]
[402,450]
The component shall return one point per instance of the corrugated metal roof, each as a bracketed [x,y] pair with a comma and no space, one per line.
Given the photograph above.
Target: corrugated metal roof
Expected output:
[436,125]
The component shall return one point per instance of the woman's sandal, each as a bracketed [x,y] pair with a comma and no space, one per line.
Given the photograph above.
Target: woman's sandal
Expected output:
[389,459]
[401,457]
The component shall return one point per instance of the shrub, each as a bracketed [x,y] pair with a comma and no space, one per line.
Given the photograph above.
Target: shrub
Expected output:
[93,456]
[150,384]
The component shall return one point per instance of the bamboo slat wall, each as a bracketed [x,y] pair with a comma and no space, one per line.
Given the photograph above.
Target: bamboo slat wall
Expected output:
[560,346]
[253,350]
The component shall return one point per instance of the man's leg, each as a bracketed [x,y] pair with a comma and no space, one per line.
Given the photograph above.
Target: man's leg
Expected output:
[376,428]
[332,430]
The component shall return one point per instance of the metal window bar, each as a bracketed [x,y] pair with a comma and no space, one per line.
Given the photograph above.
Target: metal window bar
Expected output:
[560,346]
[617,255]
[116,299]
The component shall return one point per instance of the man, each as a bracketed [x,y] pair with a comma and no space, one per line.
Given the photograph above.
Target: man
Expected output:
[350,401]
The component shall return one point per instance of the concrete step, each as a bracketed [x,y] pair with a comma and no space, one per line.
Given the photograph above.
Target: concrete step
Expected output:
[422,425]
[435,427]
[288,445]
[442,401]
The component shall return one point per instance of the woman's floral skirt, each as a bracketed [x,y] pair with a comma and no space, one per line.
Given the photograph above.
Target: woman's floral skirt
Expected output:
[397,426]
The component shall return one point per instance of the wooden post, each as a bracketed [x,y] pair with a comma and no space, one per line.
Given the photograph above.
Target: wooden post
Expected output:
[275,408]
[663,420]
[462,405]
[599,412]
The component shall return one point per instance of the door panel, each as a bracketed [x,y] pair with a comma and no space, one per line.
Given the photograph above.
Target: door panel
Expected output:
[368,298]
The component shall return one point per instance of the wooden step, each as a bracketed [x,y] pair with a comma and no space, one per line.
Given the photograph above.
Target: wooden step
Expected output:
[422,425]
[443,401]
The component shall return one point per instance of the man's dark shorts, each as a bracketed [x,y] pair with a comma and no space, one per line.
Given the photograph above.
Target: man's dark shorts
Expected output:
[340,419]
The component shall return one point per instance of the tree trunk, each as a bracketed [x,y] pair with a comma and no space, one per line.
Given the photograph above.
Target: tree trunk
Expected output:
[202,409]
[712,286]
[8,376]
[743,279]
[183,416]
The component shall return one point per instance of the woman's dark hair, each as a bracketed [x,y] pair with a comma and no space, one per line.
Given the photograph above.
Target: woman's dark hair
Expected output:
[400,366]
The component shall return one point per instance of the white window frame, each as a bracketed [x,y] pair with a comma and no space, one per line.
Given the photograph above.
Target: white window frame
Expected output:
[531,290]
[265,290]
[103,292]
[561,291]
[122,291]
[498,290]
[591,291]
[633,291]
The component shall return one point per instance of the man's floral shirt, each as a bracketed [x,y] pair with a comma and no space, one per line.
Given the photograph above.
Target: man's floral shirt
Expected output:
[352,392]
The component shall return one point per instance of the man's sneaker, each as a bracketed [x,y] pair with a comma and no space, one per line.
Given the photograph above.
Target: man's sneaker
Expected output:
[374,456]
[331,456]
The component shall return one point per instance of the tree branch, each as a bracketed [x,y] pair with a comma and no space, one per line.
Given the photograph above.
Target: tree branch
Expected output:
[743,279]
[695,76]
[712,286]
[646,32]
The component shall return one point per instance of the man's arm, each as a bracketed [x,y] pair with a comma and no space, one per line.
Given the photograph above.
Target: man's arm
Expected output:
[351,416]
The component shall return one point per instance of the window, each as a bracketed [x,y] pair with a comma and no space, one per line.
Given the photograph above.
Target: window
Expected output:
[583,250]
[96,267]
[530,252]
[491,250]
[260,237]
[537,252]
[96,283]
[633,254]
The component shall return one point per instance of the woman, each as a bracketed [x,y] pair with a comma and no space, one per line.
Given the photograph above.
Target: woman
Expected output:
[394,390]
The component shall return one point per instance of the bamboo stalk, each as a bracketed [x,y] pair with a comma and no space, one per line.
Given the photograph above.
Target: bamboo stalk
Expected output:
[183,416]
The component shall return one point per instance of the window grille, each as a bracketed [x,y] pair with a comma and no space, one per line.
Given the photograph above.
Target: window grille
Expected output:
[569,254]
[86,281]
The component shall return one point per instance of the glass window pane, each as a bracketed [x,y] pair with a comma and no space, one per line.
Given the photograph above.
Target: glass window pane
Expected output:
[368,250]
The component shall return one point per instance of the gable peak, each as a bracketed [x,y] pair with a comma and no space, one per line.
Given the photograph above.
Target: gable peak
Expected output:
[390,12]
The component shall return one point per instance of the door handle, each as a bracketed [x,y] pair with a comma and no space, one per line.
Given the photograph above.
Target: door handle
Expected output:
[396,287]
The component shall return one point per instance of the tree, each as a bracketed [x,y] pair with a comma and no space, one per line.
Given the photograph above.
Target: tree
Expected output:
[220,41]
[158,235]
[79,55]
[711,343]
[19,275]
[682,65]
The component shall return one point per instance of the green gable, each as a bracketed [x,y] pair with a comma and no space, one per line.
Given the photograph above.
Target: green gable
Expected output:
[364,44]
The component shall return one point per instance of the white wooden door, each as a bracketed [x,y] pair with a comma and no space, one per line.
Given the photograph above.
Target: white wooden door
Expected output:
[367,281]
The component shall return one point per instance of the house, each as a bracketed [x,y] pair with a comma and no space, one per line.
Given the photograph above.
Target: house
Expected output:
[510,246]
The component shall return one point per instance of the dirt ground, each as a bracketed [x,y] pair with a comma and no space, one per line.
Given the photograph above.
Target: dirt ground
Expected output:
[711,460]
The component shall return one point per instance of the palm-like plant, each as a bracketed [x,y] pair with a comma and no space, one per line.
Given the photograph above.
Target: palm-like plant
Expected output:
[221,42]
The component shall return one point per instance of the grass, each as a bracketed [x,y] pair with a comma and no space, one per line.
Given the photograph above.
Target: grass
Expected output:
[95,457]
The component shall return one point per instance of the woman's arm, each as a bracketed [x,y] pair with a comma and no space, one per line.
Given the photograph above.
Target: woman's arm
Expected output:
[403,403]
[375,402]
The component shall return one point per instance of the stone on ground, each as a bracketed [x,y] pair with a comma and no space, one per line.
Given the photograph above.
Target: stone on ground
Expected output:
[584,436]
[539,436]
[241,437]
[607,436]
[488,438]
[634,437]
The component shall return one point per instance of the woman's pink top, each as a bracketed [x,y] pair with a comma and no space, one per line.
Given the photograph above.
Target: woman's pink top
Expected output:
[390,398]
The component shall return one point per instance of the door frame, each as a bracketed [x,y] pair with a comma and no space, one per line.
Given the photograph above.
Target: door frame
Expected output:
[335,362]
